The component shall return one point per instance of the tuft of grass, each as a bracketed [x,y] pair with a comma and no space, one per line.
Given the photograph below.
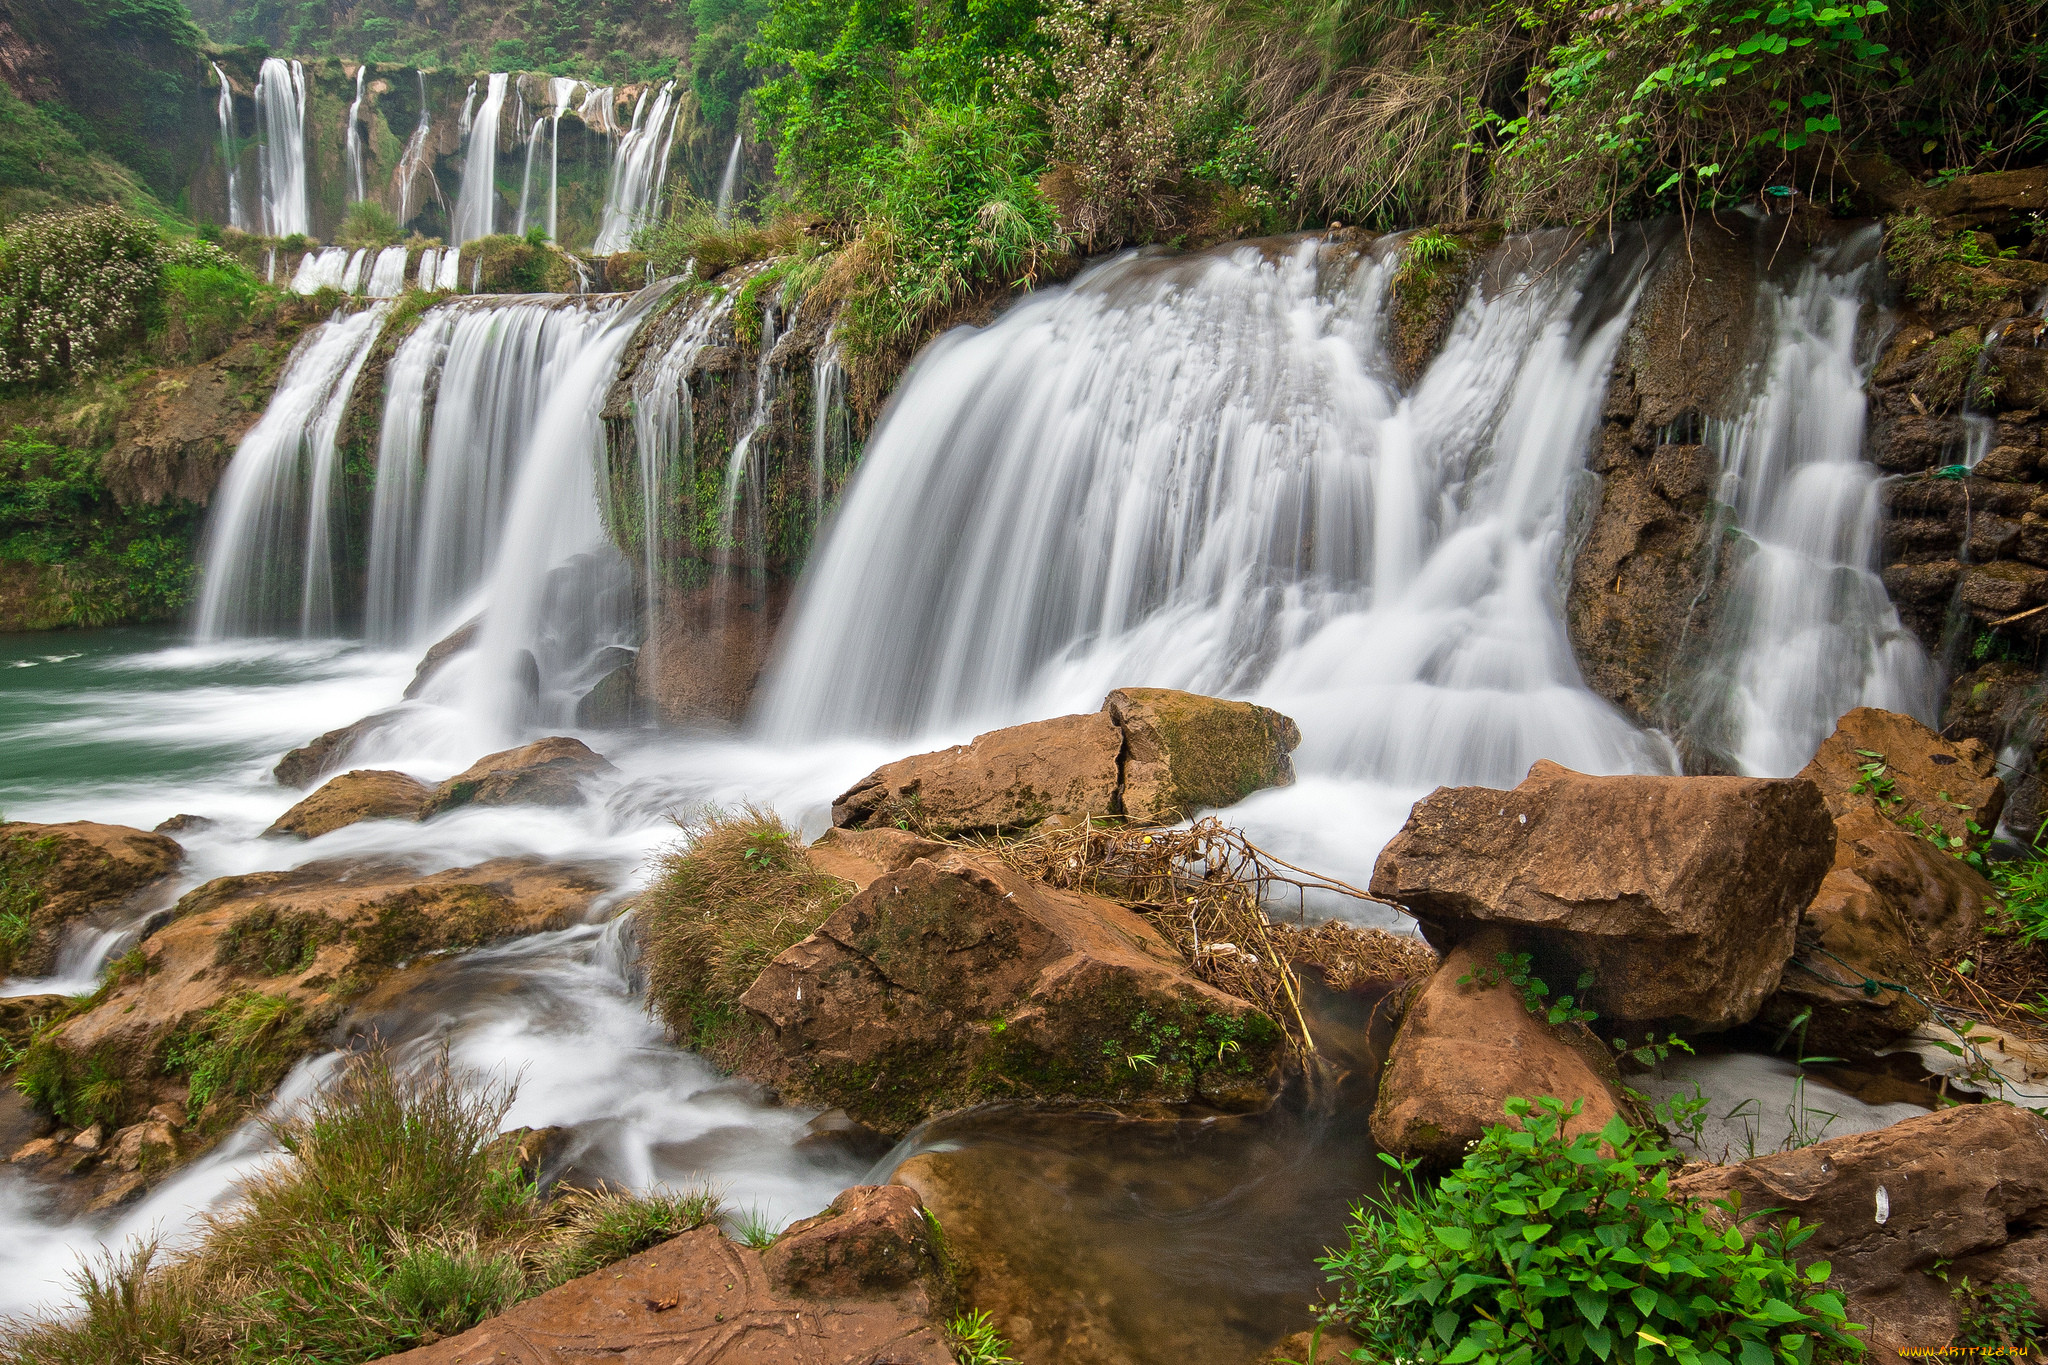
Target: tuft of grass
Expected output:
[238,1049]
[753,1228]
[739,890]
[975,1341]
[692,233]
[603,1226]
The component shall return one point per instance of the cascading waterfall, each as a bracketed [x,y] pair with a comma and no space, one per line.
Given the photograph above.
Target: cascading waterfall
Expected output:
[560,91]
[387,274]
[323,269]
[639,168]
[476,208]
[269,563]
[416,160]
[727,183]
[1201,473]
[281,112]
[494,366]
[450,277]
[230,157]
[358,151]
[831,422]
[1808,630]
[526,180]
[742,466]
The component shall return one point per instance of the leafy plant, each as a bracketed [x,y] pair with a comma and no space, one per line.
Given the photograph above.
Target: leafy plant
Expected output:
[1513,971]
[75,289]
[239,1048]
[975,1340]
[1540,1247]
[1996,1315]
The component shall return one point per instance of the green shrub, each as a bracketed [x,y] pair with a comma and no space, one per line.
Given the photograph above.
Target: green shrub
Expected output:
[75,289]
[1543,1248]
[368,224]
[208,296]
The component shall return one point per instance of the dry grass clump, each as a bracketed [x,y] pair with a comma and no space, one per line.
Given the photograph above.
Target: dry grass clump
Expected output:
[399,1216]
[1351,955]
[737,891]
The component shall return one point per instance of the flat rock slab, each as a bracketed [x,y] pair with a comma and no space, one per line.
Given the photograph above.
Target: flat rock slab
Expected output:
[365,794]
[696,1300]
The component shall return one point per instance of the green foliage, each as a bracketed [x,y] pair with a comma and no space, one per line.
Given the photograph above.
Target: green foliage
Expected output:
[1543,1248]
[605,1226]
[25,862]
[369,224]
[975,1341]
[207,297]
[75,289]
[1996,1315]
[1940,270]
[752,1228]
[239,1049]
[1513,970]
[113,563]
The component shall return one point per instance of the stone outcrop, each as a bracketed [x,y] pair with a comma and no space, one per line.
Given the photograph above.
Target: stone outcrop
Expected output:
[861,855]
[873,1239]
[439,653]
[53,874]
[1681,895]
[709,650]
[1465,1047]
[1153,755]
[365,794]
[1947,786]
[303,945]
[703,1299]
[548,772]
[959,980]
[1967,1185]
[305,765]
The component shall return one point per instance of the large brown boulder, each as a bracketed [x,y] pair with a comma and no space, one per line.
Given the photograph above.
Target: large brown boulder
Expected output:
[1946,785]
[309,942]
[959,980]
[52,874]
[701,1299]
[1958,1184]
[1681,895]
[365,794]
[303,766]
[548,772]
[1465,1047]
[1152,755]
[872,1240]
[861,855]
[1005,779]
[1891,908]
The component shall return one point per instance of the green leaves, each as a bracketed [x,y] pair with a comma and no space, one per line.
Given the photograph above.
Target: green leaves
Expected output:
[1540,1248]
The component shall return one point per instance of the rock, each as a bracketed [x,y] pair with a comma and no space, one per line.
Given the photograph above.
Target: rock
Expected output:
[91,1139]
[1330,1346]
[701,1299]
[1681,895]
[959,980]
[2006,463]
[37,1152]
[317,941]
[1004,780]
[613,704]
[1995,591]
[548,772]
[1183,752]
[170,1111]
[442,650]
[1464,1049]
[364,794]
[124,1189]
[303,765]
[1891,906]
[861,855]
[22,1015]
[149,1143]
[54,874]
[1956,1183]
[709,650]
[1151,754]
[1945,784]
[872,1240]
[181,824]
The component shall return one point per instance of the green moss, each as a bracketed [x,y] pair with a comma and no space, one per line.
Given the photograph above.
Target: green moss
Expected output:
[79,1089]
[237,1051]
[404,929]
[25,863]
[273,940]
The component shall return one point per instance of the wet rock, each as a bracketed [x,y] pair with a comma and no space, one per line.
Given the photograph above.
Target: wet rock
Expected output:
[365,794]
[125,1188]
[2006,463]
[698,1298]
[613,703]
[38,1152]
[304,765]
[1995,591]
[53,874]
[1987,703]
[22,1015]
[181,824]
[1943,784]
[861,855]
[1152,754]
[303,947]
[153,1142]
[1183,752]
[1890,907]
[872,1240]
[1004,780]
[1891,1203]
[959,980]
[1680,894]
[548,772]
[439,653]
[90,1139]
[1463,1049]
[709,650]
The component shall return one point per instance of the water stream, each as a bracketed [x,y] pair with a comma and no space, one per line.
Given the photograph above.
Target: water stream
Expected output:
[281,114]
[639,168]
[476,208]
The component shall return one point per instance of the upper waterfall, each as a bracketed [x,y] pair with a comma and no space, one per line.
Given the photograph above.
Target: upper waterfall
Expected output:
[476,208]
[638,169]
[281,109]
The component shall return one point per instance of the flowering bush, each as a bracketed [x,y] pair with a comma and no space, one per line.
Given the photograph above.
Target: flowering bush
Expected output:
[75,288]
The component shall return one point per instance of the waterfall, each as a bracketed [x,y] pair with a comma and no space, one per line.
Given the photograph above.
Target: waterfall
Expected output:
[323,269]
[417,159]
[493,366]
[639,167]
[281,111]
[352,274]
[728,182]
[1807,630]
[526,181]
[387,274]
[831,427]
[476,209]
[742,471]
[596,110]
[358,154]
[664,434]
[451,263]
[1202,473]
[428,278]
[269,562]
[560,91]
[230,154]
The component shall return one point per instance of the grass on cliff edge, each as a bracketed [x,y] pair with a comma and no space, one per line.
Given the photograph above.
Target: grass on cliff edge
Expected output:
[738,890]
[400,1216]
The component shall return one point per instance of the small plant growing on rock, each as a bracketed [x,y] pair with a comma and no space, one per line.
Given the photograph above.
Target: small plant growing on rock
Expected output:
[976,1342]
[1543,1248]
[1513,971]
